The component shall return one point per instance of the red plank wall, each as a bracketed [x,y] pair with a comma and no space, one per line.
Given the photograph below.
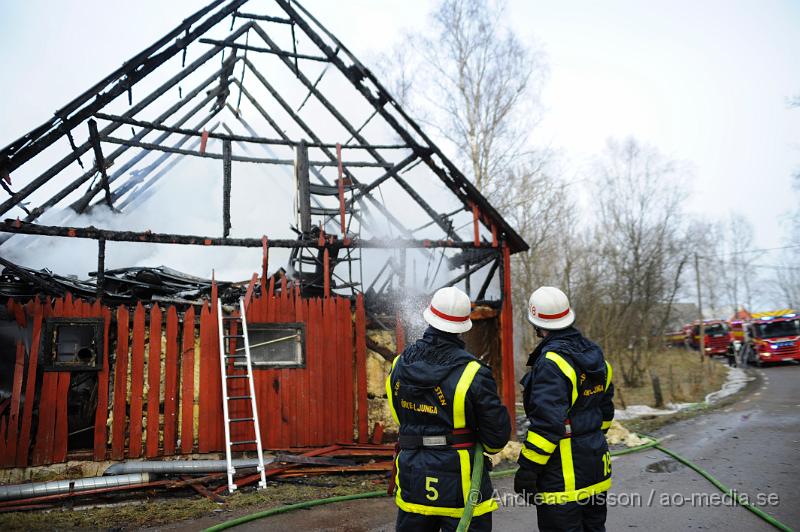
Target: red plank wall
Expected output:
[154,342]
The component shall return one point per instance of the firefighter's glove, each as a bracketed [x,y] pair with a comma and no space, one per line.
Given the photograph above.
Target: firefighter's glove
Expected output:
[525,483]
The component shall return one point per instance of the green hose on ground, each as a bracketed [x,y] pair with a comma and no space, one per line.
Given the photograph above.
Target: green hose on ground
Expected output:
[474,493]
[299,506]
[725,489]
[475,480]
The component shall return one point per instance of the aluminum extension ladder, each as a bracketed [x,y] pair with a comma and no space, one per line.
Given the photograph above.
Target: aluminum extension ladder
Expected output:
[226,362]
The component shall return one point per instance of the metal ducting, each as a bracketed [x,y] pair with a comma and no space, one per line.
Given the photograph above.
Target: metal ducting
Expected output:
[181,467]
[39,489]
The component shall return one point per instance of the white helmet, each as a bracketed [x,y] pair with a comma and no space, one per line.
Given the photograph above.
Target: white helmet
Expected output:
[449,311]
[548,308]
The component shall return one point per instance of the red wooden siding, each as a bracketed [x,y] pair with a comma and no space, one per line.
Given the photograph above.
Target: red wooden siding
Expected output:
[137,383]
[320,403]
[154,382]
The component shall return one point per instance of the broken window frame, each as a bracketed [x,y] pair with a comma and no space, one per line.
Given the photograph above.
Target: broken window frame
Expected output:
[299,361]
[49,346]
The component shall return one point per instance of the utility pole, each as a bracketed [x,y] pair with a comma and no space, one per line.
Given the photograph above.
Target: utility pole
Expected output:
[700,309]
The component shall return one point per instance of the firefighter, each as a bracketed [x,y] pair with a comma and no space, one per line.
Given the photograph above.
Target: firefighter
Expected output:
[565,466]
[445,401]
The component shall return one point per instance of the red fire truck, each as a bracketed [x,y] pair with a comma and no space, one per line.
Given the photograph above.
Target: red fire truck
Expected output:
[718,338]
[772,338]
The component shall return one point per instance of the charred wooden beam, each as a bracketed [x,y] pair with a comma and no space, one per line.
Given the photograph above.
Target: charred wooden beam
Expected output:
[469,271]
[72,156]
[226,187]
[299,121]
[120,81]
[238,158]
[94,233]
[303,187]
[166,114]
[488,280]
[82,203]
[266,18]
[380,99]
[139,176]
[441,222]
[38,281]
[99,160]
[101,267]
[250,48]
[238,138]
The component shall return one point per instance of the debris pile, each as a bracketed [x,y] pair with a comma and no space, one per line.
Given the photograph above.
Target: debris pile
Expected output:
[285,465]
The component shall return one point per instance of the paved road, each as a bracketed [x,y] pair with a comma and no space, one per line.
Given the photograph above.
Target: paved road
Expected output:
[752,446]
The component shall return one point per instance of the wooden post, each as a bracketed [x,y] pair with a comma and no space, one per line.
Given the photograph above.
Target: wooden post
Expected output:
[303,187]
[340,182]
[226,187]
[659,398]
[101,267]
[326,272]
[508,383]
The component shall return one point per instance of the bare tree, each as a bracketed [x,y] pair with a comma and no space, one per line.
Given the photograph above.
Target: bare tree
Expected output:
[469,78]
[635,255]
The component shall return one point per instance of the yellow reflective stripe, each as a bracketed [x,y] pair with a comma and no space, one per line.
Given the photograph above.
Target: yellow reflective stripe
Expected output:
[533,456]
[565,448]
[540,442]
[567,370]
[492,450]
[605,425]
[608,374]
[389,390]
[459,420]
[463,458]
[561,497]
[412,507]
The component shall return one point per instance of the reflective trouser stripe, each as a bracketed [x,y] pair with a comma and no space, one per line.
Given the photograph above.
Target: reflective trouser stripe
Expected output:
[389,390]
[565,447]
[464,382]
[605,425]
[540,442]
[492,450]
[567,370]
[561,497]
[535,457]
[463,457]
[609,372]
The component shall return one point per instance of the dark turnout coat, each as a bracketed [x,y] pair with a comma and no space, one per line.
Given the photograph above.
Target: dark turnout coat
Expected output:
[568,401]
[435,387]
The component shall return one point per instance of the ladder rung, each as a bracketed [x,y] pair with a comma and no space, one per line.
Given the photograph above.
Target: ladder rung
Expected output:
[240,419]
[236,376]
[238,397]
[237,318]
[247,442]
[234,336]
[235,356]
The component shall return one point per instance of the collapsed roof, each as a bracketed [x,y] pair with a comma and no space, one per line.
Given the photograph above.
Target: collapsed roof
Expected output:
[277,92]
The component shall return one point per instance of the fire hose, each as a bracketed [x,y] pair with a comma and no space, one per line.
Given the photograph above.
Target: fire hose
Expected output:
[477,472]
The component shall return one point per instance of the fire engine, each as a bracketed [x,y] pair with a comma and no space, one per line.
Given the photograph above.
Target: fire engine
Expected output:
[771,337]
[718,339]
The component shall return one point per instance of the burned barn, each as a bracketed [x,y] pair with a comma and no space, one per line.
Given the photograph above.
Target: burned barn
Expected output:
[308,176]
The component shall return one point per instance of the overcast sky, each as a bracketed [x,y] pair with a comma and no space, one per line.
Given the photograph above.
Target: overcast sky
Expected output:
[706,82]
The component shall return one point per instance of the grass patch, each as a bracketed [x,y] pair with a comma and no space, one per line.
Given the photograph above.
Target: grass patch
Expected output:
[142,511]
[684,376]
